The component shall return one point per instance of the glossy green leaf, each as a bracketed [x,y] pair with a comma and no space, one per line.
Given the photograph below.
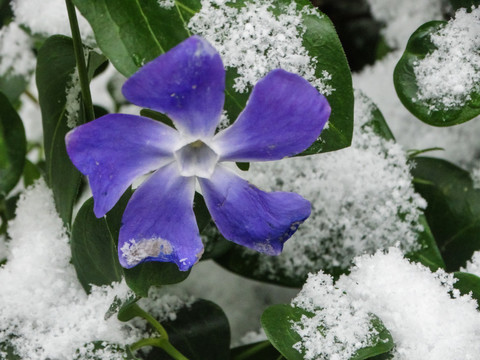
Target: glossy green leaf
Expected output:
[468,283]
[453,211]
[429,254]
[56,63]
[277,322]
[131,33]
[94,250]
[322,42]
[13,146]
[200,331]
[263,350]
[419,45]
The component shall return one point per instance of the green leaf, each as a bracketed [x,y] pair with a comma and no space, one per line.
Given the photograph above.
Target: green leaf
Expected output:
[322,42]
[419,45]
[13,146]
[142,276]
[468,283]
[256,351]
[277,322]
[200,331]
[94,250]
[467,4]
[132,33]
[429,254]
[453,210]
[55,65]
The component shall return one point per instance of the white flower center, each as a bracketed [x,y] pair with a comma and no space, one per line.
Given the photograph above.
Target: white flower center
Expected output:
[196,159]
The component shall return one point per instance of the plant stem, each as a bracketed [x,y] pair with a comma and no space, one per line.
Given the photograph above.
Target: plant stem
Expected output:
[80,58]
[143,314]
[160,343]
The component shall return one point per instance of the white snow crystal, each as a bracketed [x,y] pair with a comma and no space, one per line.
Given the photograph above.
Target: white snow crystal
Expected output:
[255,41]
[72,104]
[16,55]
[402,17]
[473,265]
[166,4]
[45,312]
[49,17]
[448,75]
[337,314]
[414,304]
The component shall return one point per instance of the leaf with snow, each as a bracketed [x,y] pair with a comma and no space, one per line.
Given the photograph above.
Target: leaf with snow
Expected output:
[438,77]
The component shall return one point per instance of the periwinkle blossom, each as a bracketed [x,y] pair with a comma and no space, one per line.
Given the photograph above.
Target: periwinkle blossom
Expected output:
[283,117]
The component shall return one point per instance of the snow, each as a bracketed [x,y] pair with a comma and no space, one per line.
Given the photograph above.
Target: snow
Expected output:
[401,18]
[17,58]
[448,75]
[347,322]
[44,310]
[255,41]
[72,104]
[473,265]
[49,17]
[426,316]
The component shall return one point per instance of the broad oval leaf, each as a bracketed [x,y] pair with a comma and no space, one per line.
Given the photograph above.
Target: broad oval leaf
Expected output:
[200,331]
[94,250]
[55,66]
[418,47]
[144,30]
[13,146]
[277,322]
[453,211]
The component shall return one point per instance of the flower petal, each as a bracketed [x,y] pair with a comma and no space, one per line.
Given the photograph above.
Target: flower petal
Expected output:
[283,117]
[250,217]
[186,83]
[116,149]
[159,223]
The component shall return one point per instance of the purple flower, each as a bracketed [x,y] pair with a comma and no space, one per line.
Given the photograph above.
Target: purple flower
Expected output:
[283,116]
